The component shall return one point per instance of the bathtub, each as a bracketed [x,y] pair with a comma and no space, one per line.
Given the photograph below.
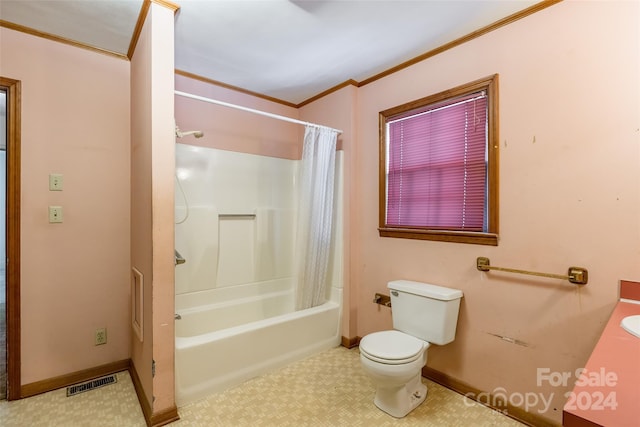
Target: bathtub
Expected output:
[228,335]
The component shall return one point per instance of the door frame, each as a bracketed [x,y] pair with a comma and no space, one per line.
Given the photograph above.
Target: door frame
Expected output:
[13,89]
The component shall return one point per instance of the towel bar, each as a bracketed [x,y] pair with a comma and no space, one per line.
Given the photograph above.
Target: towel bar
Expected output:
[575,275]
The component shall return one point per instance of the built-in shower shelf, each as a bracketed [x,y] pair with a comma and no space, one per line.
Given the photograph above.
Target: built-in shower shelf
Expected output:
[237,216]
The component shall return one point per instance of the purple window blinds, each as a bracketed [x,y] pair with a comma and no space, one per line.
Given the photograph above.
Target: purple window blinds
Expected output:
[437,170]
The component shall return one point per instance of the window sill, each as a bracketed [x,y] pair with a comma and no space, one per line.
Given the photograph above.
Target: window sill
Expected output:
[489,239]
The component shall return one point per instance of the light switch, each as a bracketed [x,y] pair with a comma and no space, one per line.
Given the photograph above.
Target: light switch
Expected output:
[55,182]
[55,214]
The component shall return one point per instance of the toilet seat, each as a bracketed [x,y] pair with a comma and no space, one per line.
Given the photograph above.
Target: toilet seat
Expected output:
[392,347]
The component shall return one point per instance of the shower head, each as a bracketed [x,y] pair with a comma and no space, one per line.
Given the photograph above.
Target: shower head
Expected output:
[196,133]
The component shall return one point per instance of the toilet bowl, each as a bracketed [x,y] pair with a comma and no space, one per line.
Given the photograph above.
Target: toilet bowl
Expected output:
[393,361]
[423,314]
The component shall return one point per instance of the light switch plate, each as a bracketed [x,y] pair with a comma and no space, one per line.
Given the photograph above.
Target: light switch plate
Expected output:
[55,214]
[55,182]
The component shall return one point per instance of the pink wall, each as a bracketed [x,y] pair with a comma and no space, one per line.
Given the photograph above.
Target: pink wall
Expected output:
[75,275]
[569,195]
[229,129]
[152,207]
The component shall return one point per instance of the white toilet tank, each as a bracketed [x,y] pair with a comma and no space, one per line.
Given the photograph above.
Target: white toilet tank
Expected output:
[425,311]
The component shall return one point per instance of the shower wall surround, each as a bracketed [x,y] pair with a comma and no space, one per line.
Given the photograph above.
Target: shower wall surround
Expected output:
[242,208]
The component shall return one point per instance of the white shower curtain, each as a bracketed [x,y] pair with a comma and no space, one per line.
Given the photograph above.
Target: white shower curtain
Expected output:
[315,214]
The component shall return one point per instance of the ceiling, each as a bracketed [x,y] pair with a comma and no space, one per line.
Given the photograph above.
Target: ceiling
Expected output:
[290,50]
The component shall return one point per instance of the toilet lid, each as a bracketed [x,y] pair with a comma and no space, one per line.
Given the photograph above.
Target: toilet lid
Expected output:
[392,347]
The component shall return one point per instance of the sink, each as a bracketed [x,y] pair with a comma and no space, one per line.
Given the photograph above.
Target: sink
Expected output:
[631,324]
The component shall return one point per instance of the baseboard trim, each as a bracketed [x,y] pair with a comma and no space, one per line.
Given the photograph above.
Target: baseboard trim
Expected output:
[167,416]
[571,420]
[465,389]
[350,342]
[39,387]
[158,419]
[142,398]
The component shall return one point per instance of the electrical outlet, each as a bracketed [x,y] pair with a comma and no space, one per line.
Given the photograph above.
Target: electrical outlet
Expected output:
[101,336]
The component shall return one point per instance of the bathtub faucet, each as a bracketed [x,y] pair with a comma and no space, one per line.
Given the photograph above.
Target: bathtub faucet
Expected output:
[178,258]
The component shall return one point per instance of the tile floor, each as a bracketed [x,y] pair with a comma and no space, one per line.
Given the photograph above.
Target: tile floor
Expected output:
[328,389]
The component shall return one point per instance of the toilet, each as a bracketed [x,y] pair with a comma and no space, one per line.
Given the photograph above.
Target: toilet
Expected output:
[423,314]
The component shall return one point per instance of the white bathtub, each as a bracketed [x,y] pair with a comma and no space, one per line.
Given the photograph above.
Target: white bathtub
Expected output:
[216,348]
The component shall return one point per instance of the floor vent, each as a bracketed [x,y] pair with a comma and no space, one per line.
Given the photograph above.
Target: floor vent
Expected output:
[90,385]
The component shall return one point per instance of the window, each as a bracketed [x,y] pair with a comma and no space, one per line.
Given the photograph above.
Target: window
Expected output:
[439,166]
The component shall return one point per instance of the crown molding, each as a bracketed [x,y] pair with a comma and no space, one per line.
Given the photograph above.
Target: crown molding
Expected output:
[41,34]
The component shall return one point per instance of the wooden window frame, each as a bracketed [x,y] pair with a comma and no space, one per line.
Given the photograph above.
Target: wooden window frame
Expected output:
[490,237]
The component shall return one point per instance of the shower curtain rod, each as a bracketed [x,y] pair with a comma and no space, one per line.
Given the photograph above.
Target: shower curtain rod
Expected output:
[251,110]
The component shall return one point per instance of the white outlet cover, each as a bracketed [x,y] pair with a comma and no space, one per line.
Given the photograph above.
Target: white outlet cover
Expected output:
[101,336]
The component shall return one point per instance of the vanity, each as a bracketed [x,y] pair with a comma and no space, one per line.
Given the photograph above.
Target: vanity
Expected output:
[607,392]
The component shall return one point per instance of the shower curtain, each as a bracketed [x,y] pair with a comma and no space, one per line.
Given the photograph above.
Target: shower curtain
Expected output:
[315,215]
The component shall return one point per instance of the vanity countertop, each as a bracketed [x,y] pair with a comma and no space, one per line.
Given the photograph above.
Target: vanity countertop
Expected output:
[608,391]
